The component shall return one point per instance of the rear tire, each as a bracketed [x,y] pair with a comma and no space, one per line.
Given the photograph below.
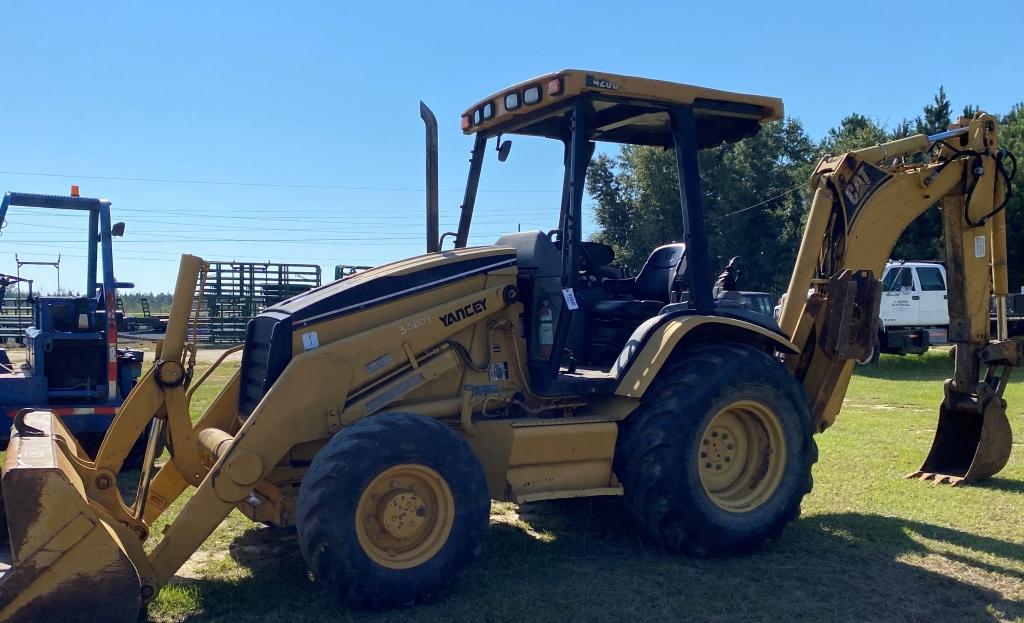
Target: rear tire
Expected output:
[718,456]
[392,510]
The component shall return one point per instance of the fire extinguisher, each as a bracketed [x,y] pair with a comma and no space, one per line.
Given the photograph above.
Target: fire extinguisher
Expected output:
[546,329]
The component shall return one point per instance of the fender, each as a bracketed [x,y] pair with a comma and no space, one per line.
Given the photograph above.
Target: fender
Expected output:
[653,343]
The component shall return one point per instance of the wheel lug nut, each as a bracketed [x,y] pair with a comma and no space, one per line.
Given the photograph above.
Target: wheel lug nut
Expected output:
[728,459]
[729,446]
[718,466]
[714,433]
[707,465]
[705,442]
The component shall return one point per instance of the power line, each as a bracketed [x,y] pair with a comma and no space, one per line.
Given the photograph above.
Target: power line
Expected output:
[757,205]
[192,230]
[163,180]
[482,215]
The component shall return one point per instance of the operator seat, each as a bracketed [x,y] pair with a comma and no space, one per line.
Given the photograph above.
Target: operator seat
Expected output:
[649,291]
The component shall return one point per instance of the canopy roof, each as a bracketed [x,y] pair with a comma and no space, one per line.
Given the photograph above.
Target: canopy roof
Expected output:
[625,109]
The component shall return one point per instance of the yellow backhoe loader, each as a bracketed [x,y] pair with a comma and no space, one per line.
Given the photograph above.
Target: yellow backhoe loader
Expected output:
[380,414]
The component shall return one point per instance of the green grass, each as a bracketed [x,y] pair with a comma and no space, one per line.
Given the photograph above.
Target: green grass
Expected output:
[870,546]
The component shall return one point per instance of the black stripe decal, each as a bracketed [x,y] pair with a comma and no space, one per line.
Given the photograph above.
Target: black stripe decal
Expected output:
[405,284]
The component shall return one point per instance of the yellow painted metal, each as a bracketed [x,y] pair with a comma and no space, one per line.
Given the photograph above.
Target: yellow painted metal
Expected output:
[208,371]
[175,335]
[1000,279]
[67,556]
[894,149]
[575,82]
[214,441]
[401,385]
[404,516]
[885,208]
[99,545]
[806,261]
[539,458]
[872,203]
[665,339]
[742,456]
[169,482]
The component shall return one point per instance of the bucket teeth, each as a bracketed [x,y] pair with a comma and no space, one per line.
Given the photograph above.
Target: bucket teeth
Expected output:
[67,564]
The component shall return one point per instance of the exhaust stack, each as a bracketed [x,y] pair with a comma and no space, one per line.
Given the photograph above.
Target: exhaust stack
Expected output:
[433,230]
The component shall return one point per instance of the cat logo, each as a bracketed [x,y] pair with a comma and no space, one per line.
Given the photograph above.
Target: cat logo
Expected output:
[602,83]
[866,179]
[462,313]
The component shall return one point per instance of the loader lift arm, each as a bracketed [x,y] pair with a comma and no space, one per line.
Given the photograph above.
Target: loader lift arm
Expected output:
[863,200]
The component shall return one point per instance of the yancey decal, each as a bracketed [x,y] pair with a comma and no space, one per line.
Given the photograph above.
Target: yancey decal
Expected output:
[460,314]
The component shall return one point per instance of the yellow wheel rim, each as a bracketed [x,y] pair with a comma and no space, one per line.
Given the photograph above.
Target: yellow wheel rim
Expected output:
[404,516]
[742,456]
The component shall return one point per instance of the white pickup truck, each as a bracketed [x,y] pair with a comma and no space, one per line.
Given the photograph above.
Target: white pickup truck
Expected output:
[913,311]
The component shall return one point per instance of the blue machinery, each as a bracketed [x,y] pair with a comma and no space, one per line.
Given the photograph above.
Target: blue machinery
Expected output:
[73,365]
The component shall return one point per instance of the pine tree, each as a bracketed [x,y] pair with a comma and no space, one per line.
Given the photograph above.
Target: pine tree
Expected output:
[937,116]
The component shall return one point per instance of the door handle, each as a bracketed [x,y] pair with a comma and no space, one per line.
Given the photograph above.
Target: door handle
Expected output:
[916,297]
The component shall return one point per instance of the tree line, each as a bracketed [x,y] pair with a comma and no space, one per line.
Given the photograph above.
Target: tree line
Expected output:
[756,194]
[159,302]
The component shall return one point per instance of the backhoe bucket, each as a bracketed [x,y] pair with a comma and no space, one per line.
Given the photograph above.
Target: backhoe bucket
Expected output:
[67,564]
[968,446]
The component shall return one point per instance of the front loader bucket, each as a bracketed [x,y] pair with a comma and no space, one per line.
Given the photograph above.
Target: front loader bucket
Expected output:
[968,446]
[66,563]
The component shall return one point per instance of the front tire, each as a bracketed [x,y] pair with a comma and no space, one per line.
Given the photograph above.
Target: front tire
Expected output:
[392,510]
[718,456]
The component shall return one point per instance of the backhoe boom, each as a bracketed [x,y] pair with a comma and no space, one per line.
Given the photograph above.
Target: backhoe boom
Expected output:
[863,201]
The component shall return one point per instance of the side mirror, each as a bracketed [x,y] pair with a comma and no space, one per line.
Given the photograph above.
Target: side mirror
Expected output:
[503,150]
[117,230]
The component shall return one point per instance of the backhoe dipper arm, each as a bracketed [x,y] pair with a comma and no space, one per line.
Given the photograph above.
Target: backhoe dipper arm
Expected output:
[863,201]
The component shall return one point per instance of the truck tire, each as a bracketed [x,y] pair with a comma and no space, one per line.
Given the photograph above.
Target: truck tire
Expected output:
[392,510]
[717,457]
[872,357]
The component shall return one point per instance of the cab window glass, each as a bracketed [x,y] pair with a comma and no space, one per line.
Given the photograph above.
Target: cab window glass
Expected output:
[931,279]
[897,279]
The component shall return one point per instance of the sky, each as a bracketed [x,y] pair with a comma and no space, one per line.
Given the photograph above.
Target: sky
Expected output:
[289,132]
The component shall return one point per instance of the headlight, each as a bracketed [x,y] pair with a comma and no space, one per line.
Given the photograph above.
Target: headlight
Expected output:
[511,101]
[531,95]
[488,109]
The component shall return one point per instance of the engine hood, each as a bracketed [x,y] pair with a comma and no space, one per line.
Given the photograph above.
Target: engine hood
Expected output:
[383,283]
